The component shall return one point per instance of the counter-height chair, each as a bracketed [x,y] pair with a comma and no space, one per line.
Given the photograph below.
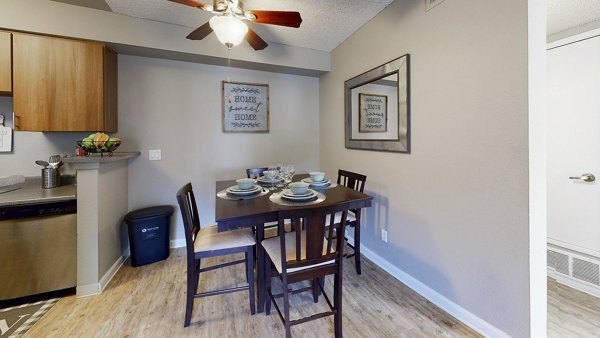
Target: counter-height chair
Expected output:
[357,182]
[307,253]
[255,172]
[208,242]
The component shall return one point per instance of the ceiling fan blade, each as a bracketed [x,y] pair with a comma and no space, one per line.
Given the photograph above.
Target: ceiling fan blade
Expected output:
[200,32]
[255,41]
[280,18]
[194,3]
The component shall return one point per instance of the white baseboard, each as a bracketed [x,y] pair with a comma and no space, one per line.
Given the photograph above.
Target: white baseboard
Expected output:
[455,310]
[433,296]
[96,288]
[574,283]
[177,243]
[108,276]
[87,290]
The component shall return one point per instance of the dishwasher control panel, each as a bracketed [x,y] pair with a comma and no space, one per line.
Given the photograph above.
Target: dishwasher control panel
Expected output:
[38,210]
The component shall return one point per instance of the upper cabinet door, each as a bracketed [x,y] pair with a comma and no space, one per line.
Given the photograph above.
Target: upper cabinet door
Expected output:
[58,84]
[5,63]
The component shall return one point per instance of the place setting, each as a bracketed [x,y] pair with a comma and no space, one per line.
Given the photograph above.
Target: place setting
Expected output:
[297,194]
[317,180]
[246,188]
[277,176]
[271,179]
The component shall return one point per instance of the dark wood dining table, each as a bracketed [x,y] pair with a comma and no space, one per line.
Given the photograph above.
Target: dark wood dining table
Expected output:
[234,214]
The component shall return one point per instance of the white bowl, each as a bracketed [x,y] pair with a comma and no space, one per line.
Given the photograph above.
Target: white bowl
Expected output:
[298,188]
[270,174]
[245,183]
[317,176]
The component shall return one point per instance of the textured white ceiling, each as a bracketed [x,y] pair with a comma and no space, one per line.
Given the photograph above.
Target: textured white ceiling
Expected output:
[565,14]
[325,23]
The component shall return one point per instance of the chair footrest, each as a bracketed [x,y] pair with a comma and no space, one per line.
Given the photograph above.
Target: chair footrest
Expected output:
[220,292]
[313,317]
[293,292]
[222,265]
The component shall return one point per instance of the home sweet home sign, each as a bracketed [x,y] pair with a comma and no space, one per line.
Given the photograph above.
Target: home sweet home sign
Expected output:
[245,107]
[373,113]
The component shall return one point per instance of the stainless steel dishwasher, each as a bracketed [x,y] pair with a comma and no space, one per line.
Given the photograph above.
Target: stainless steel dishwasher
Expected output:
[38,248]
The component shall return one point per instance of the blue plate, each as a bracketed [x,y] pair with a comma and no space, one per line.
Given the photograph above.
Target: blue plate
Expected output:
[323,183]
[265,180]
[288,192]
[235,191]
[312,194]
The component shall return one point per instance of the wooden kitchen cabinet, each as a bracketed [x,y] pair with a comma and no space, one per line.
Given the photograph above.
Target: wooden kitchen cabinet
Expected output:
[5,63]
[63,84]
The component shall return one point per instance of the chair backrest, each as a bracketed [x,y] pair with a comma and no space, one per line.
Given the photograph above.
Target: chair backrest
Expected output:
[189,213]
[352,180]
[255,172]
[311,235]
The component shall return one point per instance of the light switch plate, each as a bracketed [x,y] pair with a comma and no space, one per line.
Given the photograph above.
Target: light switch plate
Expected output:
[384,235]
[154,155]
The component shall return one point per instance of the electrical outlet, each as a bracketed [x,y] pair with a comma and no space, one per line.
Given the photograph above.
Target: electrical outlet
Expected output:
[384,235]
[154,155]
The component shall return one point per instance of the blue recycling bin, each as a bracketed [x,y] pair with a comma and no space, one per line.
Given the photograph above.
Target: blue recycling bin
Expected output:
[149,230]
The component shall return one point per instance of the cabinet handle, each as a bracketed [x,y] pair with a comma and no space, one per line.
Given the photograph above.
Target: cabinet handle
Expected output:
[16,122]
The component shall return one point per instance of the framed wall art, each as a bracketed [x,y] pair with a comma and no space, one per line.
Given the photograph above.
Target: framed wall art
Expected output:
[245,107]
[377,108]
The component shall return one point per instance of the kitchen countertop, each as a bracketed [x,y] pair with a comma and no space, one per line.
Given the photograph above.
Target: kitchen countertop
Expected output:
[32,192]
[96,158]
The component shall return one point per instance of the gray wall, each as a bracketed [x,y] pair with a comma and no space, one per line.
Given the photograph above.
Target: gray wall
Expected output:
[176,107]
[112,204]
[456,208]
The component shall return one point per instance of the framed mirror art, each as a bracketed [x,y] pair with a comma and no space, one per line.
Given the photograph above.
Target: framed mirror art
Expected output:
[377,105]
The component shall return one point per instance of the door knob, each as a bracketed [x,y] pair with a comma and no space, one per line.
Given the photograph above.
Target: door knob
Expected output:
[584,177]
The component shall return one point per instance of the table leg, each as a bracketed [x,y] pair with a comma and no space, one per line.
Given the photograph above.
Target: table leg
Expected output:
[357,245]
[260,267]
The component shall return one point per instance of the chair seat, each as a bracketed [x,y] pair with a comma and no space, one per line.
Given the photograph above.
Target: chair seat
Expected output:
[271,231]
[210,239]
[272,248]
[351,218]
[271,224]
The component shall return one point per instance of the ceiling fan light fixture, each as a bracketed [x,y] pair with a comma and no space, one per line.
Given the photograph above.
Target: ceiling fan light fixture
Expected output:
[229,30]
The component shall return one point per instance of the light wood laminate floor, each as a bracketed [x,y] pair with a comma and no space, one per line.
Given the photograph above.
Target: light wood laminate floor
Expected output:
[149,301]
[572,313]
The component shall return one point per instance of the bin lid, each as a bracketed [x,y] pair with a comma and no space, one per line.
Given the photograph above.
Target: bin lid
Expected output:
[161,210]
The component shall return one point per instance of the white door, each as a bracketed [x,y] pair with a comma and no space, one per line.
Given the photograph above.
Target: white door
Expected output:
[574,146]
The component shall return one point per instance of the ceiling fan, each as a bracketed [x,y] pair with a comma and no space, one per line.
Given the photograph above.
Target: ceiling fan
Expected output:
[227,22]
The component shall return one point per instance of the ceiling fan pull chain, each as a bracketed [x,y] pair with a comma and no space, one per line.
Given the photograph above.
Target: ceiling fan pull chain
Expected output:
[228,65]
[228,70]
